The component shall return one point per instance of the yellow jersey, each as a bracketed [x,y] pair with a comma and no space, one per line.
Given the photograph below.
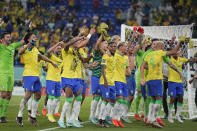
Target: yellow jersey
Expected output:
[54,74]
[154,60]
[41,64]
[173,76]
[79,67]
[121,64]
[109,62]
[31,62]
[68,58]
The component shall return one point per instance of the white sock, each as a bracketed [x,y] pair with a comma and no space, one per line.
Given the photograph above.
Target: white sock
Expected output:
[50,106]
[75,110]
[124,109]
[29,103]
[150,112]
[102,109]
[98,108]
[115,112]
[108,109]
[111,113]
[156,110]
[34,108]
[179,109]
[94,104]
[57,105]
[170,112]
[65,111]
[104,115]
[22,107]
[144,111]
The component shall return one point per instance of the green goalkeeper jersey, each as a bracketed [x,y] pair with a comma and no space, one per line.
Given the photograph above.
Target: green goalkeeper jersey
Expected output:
[7,57]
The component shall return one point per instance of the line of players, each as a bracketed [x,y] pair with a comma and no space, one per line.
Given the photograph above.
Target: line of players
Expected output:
[113,79]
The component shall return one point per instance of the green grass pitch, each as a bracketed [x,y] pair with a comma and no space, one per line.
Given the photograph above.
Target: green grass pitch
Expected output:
[188,125]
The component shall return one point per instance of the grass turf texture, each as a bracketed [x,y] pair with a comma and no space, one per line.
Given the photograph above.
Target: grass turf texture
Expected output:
[44,124]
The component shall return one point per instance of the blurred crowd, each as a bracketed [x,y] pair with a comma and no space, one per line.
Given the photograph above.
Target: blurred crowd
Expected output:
[54,20]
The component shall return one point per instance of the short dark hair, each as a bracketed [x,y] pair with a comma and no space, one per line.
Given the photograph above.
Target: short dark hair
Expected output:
[154,39]
[147,48]
[111,42]
[27,36]
[3,34]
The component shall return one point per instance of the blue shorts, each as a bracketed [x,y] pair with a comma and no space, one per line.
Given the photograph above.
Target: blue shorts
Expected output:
[74,84]
[155,88]
[175,89]
[121,89]
[83,83]
[143,90]
[109,92]
[95,85]
[131,84]
[53,88]
[32,83]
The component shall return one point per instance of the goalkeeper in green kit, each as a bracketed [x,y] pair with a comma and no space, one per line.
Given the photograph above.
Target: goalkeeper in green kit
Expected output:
[7,50]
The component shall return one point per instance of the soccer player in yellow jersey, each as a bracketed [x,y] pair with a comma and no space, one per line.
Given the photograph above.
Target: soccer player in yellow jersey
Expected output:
[53,86]
[154,62]
[41,65]
[7,50]
[175,86]
[107,84]
[80,70]
[31,77]
[121,67]
[70,82]
[131,84]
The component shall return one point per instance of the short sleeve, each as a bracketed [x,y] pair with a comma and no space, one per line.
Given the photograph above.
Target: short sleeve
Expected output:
[104,60]
[184,60]
[15,45]
[44,64]
[38,53]
[140,52]
[166,59]
[162,53]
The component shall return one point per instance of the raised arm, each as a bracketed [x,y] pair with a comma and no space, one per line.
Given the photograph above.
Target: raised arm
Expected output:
[136,49]
[85,41]
[175,50]
[50,50]
[42,57]
[24,48]
[98,42]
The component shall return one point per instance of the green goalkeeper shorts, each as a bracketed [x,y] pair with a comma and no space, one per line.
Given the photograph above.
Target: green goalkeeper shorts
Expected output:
[6,82]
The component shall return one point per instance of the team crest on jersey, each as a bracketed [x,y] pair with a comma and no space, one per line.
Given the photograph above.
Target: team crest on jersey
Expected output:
[120,91]
[180,63]
[13,51]
[3,87]
[103,61]
[53,91]
[171,94]
[107,93]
